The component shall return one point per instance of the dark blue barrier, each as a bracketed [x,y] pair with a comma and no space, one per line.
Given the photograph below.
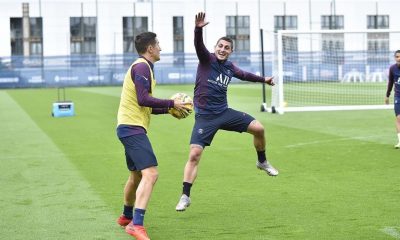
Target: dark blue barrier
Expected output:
[92,70]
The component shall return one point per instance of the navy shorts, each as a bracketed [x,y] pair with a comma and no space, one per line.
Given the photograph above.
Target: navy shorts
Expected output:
[139,153]
[397,106]
[206,126]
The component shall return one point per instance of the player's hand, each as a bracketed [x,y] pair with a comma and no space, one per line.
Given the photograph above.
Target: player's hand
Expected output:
[199,21]
[386,100]
[269,81]
[179,114]
[182,106]
[182,109]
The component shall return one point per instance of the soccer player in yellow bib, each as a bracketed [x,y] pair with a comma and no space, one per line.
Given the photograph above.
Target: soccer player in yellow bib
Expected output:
[136,105]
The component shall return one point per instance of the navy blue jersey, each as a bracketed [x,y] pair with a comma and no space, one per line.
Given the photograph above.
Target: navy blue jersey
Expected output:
[213,77]
[394,79]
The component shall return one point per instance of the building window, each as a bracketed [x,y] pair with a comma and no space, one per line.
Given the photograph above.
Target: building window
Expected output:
[17,47]
[132,26]
[238,29]
[285,23]
[178,39]
[83,35]
[332,43]
[34,35]
[378,21]
[289,43]
[378,43]
[332,22]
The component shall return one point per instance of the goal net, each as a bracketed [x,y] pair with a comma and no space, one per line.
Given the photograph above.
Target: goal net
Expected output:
[332,69]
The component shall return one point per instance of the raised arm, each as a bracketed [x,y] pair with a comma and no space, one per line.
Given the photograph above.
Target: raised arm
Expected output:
[202,53]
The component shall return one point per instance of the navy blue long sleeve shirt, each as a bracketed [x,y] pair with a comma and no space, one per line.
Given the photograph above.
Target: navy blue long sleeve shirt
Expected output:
[213,77]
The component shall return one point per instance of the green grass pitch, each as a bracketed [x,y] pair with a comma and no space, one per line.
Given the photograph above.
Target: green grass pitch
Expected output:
[63,178]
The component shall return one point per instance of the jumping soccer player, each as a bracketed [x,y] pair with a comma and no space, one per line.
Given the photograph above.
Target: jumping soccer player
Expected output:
[214,73]
[136,105]
[394,79]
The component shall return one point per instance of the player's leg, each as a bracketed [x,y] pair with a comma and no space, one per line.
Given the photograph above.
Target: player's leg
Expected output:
[242,122]
[398,131]
[257,130]
[130,187]
[129,197]
[397,113]
[189,176]
[145,188]
[131,184]
[143,194]
[191,167]
[203,132]
[141,158]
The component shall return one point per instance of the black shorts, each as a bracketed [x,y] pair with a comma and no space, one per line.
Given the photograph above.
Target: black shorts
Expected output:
[206,126]
[139,153]
[397,106]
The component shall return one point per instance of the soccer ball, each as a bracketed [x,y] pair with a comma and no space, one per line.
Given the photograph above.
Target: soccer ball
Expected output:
[188,104]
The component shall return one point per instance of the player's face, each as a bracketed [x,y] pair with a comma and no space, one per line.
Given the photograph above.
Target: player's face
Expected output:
[155,51]
[223,49]
[397,58]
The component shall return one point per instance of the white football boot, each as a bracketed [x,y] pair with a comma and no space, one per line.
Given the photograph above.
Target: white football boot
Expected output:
[397,145]
[183,203]
[268,168]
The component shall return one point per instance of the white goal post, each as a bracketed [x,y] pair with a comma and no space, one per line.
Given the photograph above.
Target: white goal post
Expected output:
[332,69]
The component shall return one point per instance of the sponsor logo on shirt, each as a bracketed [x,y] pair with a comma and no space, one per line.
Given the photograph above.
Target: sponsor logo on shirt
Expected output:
[222,80]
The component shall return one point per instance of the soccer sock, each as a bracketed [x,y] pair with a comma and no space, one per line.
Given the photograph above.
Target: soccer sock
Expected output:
[398,136]
[138,218]
[128,211]
[186,188]
[261,156]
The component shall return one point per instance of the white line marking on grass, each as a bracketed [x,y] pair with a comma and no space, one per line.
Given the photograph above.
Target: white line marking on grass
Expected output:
[392,231]
[330,140]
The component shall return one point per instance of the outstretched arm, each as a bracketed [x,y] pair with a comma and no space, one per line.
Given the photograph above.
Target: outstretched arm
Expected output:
[246,76]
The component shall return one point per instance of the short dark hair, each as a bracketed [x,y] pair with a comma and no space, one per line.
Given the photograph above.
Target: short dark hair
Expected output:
[143,40]
[228,39]
[398,51]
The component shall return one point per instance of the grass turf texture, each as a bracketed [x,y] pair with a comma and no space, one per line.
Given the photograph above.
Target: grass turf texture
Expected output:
[63,178]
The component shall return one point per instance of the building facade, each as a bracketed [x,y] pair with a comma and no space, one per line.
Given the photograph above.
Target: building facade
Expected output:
[92,41]
[58,28]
